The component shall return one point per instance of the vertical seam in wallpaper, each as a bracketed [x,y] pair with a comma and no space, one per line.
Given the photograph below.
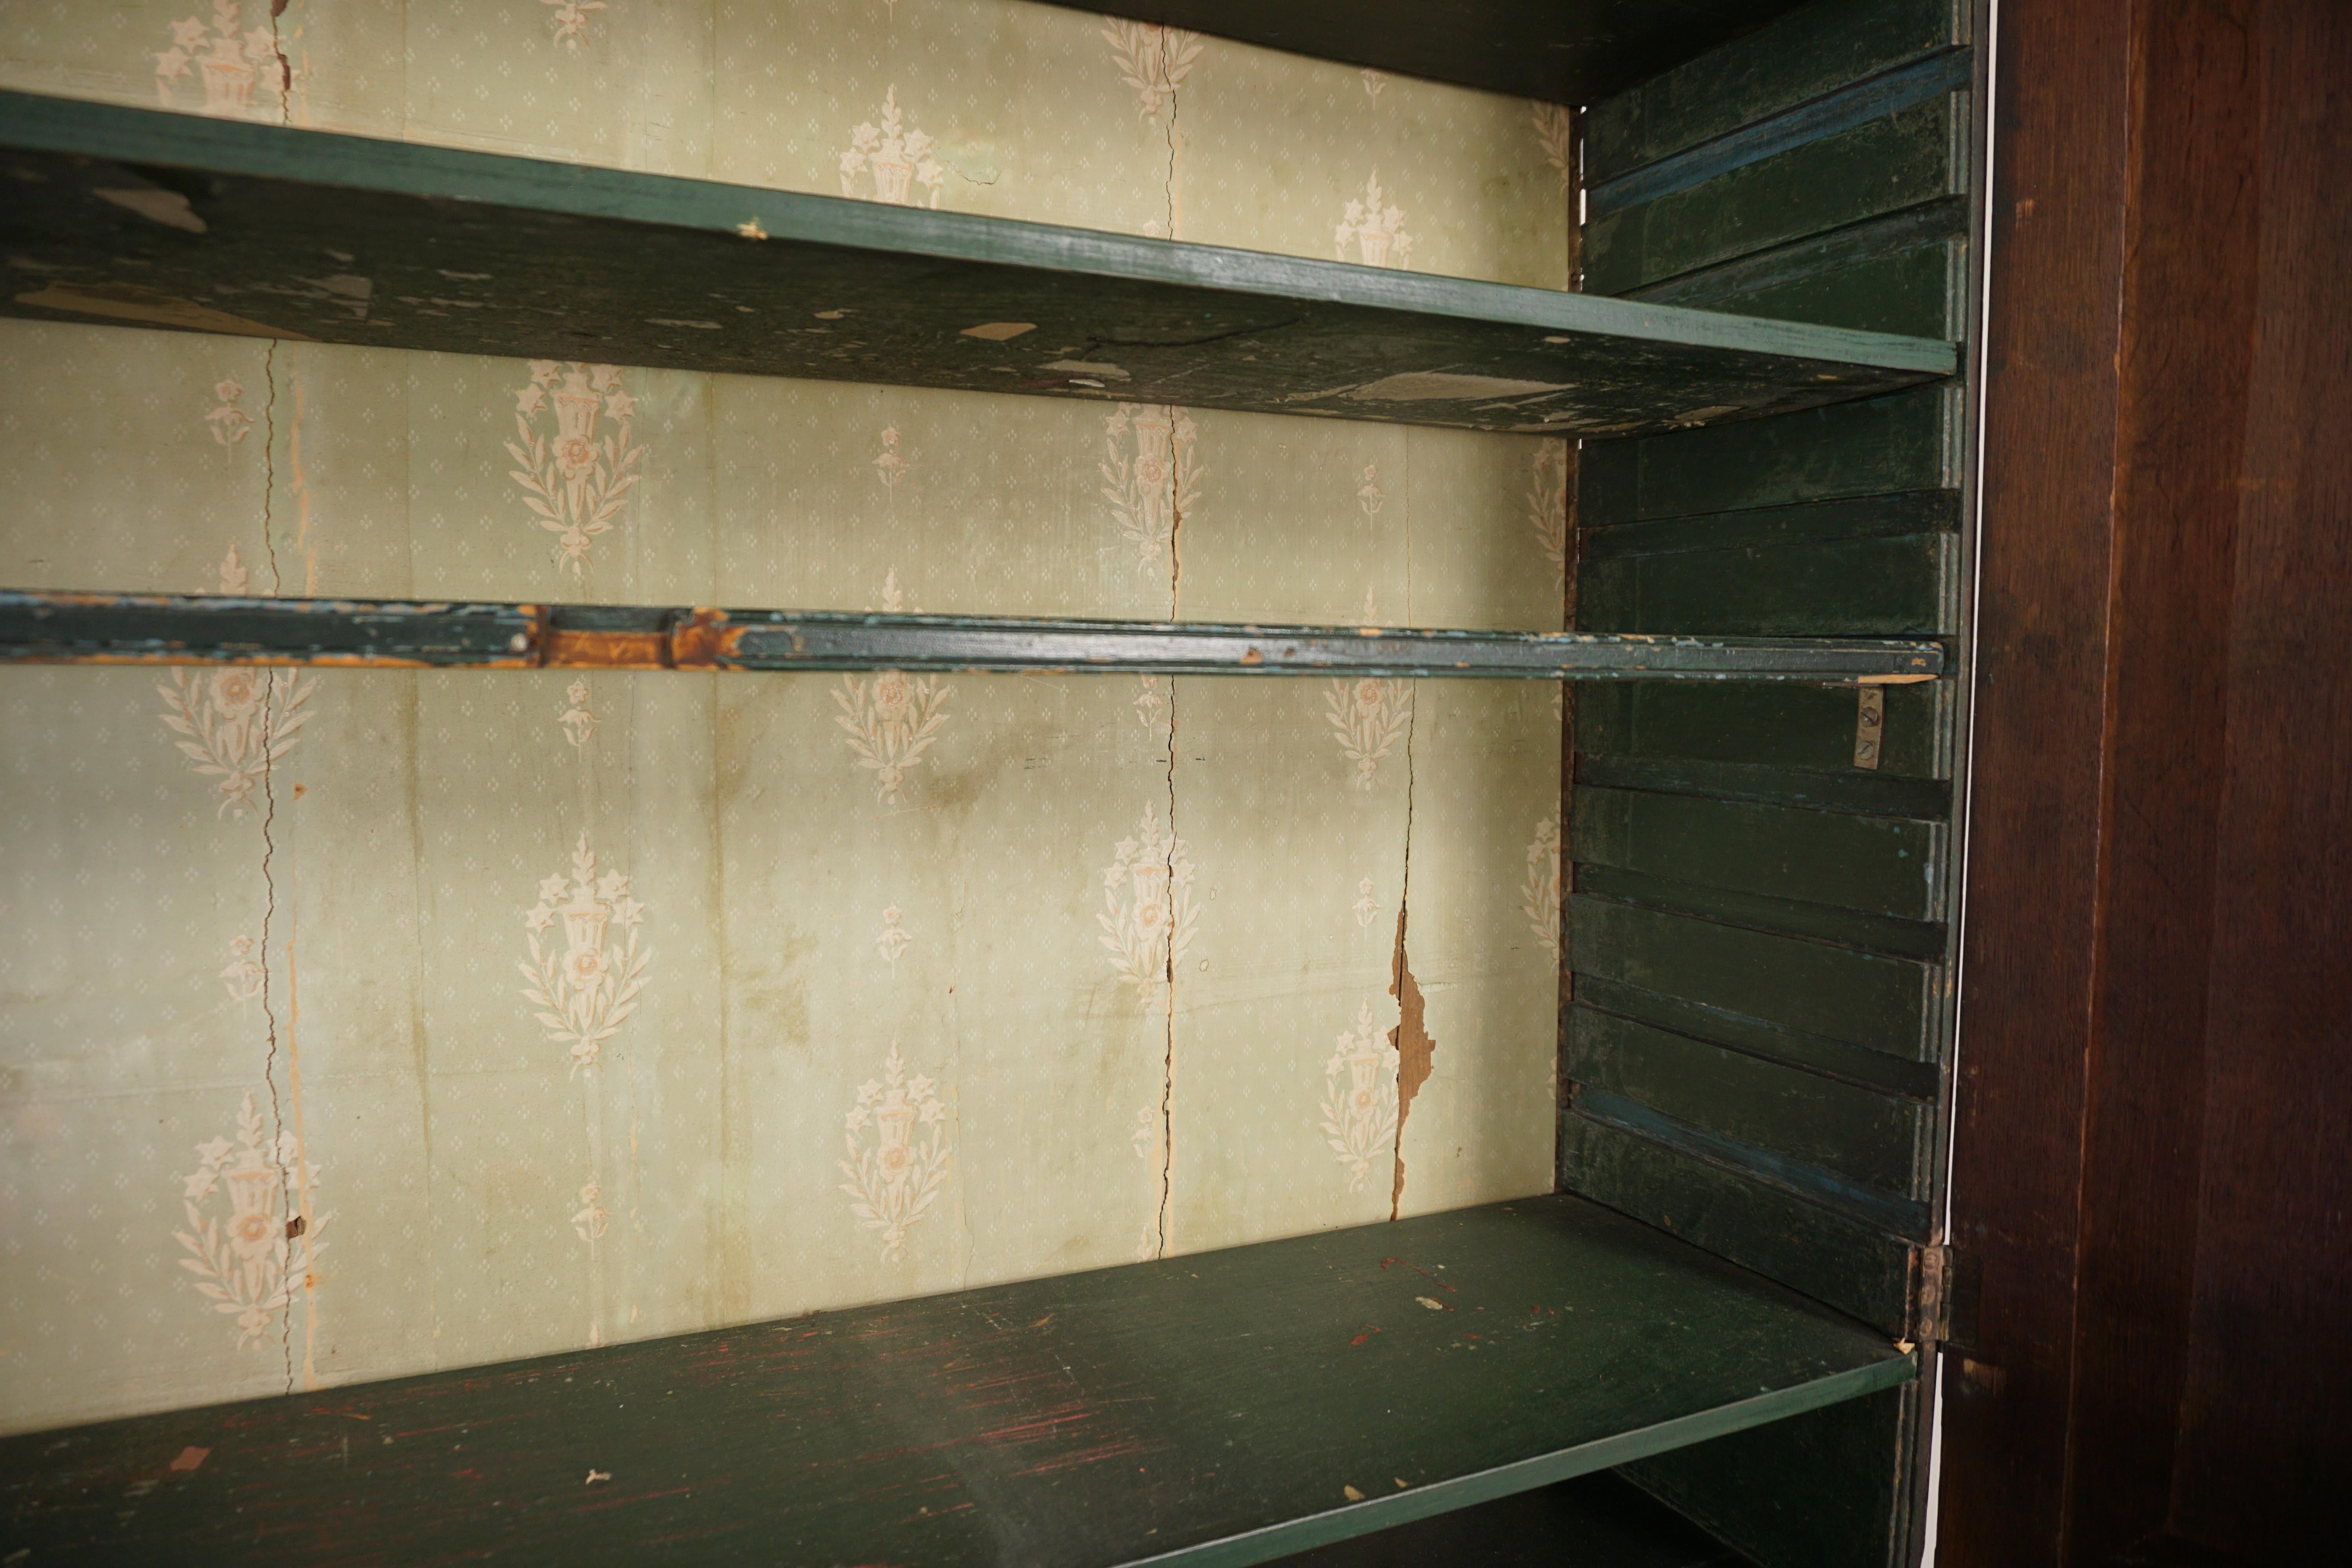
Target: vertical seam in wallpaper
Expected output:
[1175,600]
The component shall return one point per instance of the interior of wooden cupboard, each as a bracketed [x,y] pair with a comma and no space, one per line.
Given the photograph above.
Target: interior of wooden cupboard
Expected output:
[1725,1296]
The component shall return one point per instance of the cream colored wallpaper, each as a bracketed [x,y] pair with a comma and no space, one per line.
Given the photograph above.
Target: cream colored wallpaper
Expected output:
[355,1024]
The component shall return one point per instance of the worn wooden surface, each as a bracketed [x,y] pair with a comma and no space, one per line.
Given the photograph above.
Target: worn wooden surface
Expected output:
[1561,51]
[1902,160]
[1791,730]
[1225,1406]
[93,629]
[1907,272]
[1886,446]
[2057,248]
[1859,998]
[1878,865]
[162,220]
[1851,1263]
[1808,55]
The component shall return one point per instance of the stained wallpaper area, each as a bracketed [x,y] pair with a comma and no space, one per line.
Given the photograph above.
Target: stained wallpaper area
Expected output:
[360,1022]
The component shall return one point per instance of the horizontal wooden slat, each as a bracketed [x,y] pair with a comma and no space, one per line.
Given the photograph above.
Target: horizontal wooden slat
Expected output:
[1880,865]
[1750,723]
[1904,273]
[1864,999]
[1886,795]
[1809,54]
[1815,1053]
[1863,1135]
[1927,940]
[95,628]
[1220,1408]
[1885,446]
[1612,1522]
[1909,157]
[1829,1257]
[1902,586]
[1890,92]
[1812,522]
[166,220]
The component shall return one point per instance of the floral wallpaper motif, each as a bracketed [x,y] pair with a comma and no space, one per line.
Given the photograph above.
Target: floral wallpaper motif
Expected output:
[574,475]
[246,1202]
[1148,917]
[309,889]
[1360,1103]
[893,1178]
[1540,895]
[586,967]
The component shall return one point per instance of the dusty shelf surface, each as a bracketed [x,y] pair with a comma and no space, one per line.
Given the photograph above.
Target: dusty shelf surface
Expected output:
[140,218]
[1224,1408]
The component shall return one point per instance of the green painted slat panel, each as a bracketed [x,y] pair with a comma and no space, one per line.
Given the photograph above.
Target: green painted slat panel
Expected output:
[1836,1059]
[1754,724]
[1864,999]
[1845,588]
[1814,51]
[1216,1408]
[1851,1267]
[1924,939]
[1613,1524]
[1827,1489]
[1912,157]
[1906,273]
[1863,516]
[473,252]
[1856,1133]
[1880,865]
[1908,442]
[1560,51]
[1929,800]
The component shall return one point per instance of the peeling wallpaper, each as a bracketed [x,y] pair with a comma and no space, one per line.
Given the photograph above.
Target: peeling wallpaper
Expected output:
[359,1022]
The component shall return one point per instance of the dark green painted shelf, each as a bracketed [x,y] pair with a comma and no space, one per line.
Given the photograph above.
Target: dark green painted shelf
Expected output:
[123,628]
[141,217]
[1223,1408]
[1562,51]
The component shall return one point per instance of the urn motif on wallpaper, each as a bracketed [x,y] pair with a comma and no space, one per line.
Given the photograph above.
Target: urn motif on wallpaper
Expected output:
[1368,718]
[1149,477]
[893,1179]
[575,475]
[1148,916]
[586,967]
[1540,895]
[892,721]
[1548,501]
[1376,227]
[226,57]
[230,421]
[1153,59]
[570,18]
[249,1251]
[1360,1102]
[893,156]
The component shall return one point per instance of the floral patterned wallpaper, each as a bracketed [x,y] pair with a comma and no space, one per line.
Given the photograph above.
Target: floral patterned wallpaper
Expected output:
[359,1022]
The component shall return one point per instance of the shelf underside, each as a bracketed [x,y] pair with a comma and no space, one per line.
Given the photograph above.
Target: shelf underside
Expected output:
[114,628]
[1562,51]
[141,217]
[1225,1407]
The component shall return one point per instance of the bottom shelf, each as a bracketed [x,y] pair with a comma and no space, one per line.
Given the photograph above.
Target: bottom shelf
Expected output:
[1593,1521]
[1224,1408]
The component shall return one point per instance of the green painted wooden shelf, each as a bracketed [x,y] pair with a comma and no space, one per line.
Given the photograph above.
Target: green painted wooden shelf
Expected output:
[1222,1408]
[141,217]
[124,628]
[1562,51]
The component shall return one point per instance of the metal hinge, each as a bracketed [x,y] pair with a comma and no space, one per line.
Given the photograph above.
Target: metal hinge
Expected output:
[1945,1284]
[1931,1294]
[1870,726]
